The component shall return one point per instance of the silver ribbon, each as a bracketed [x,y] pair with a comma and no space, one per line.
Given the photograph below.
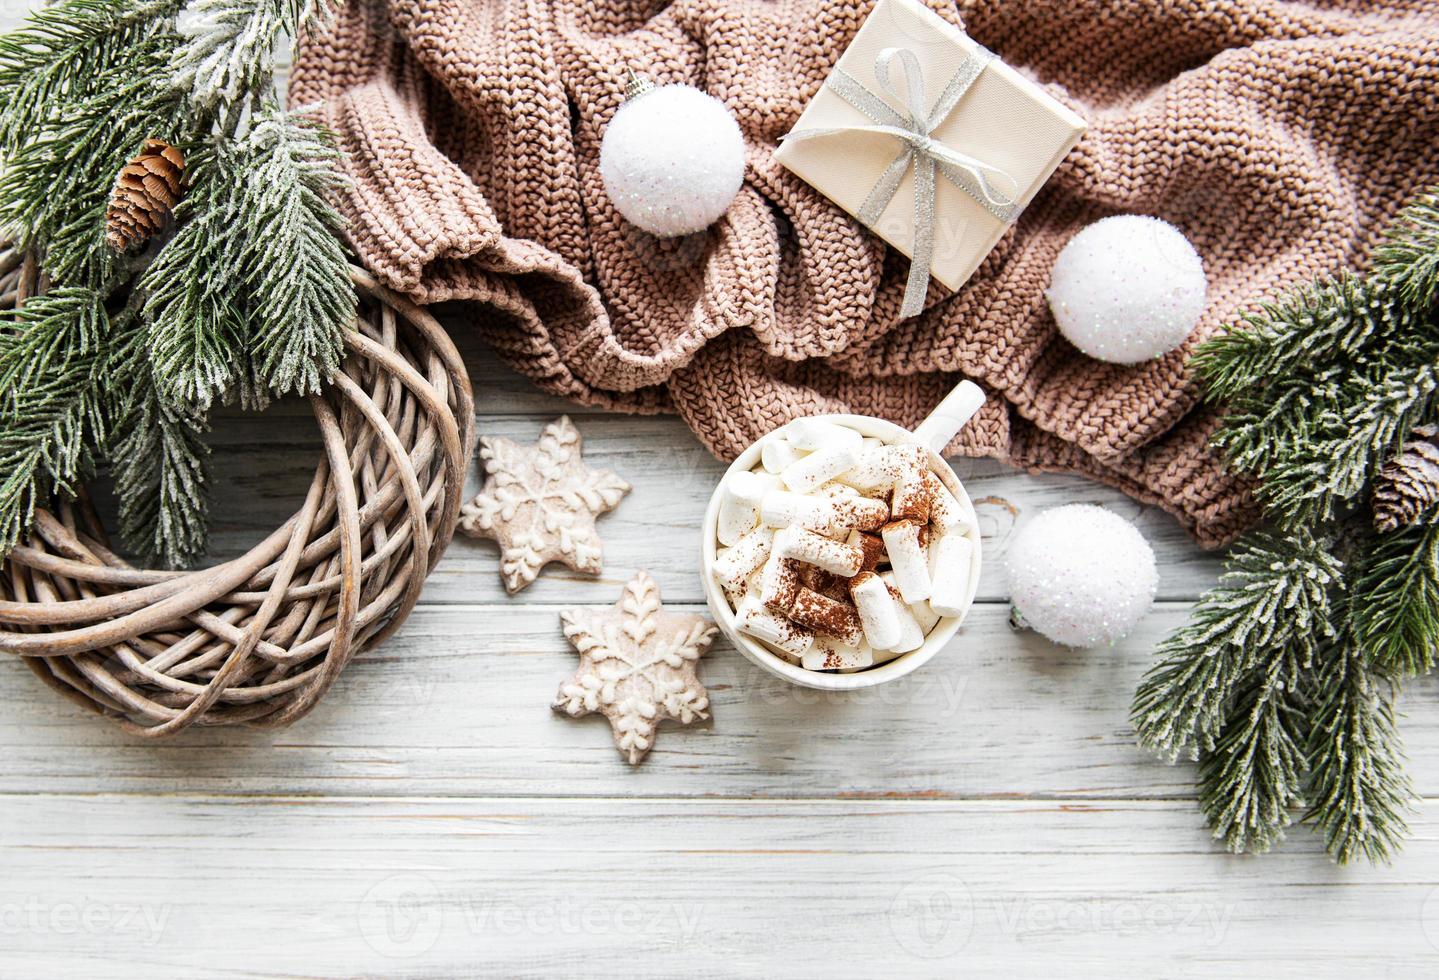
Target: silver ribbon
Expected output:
[928,156]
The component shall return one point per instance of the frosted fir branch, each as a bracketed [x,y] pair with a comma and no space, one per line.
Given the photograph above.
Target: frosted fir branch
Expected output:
[1272,603]
[1253,775]
[1408,260]
[249,298]
[69,321]
[1318,327]
[192,316]
[61,51]
[1395,607]
[226,67]
[54,189]
[295,264]
[1359,790]
[160,467]
[1318,442]
[1366,426]
[256,274]
[194,320]
[53,422]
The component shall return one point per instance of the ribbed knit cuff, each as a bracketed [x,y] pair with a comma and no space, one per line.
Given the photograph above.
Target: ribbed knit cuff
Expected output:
[409,206]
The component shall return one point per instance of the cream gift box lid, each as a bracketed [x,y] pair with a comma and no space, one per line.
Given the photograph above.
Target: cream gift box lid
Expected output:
[1004,119]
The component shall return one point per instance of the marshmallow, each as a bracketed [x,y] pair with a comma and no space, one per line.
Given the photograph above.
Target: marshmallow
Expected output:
[870,442]
[754,619]
[818,467]
[777,453]
[871,545]
[907,557]
[831,654]
[734,565]
[739,509]
[815,549]
[876,470]
[779,583]
[945,510]
[911,498]
[815,434]
[825,583]
[878,612]
[824,615]
[863,513]
[925,615]
[950,561]
[911,637]
[911,634]
[780,508]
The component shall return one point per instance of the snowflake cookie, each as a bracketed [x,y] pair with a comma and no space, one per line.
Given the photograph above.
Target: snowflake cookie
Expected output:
[637,666]
[540,503]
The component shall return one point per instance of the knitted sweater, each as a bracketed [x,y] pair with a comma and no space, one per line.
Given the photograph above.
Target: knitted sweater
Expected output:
[1278,136]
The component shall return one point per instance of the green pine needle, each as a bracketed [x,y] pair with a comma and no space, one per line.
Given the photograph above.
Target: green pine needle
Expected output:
[1330,323]
[1359,790]
[255,270]
[1409,258]
[52,416]
[1396,601]
[63,54]
[1272,602]
[228,57]
[54,189]
[161,478]
[1253,774]
[1349,440]
[194,307]
[301,309]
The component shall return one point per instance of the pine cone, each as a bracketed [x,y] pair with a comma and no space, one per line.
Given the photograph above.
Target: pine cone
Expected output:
[1408,485]
[146,192]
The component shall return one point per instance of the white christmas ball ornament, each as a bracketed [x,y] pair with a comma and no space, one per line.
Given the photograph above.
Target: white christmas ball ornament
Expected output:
[1127,289]
[672,159]
[1081,575]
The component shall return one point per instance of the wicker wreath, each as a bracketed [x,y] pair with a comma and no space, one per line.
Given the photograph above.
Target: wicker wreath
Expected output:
[260,639]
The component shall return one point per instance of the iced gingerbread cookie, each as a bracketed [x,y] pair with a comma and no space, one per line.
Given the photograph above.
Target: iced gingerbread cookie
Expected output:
[539,504]
[637,666]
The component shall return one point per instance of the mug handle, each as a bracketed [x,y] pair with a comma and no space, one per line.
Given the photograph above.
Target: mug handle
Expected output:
[950,415]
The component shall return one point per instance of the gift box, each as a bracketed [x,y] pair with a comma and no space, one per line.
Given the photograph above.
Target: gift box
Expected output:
[930,141]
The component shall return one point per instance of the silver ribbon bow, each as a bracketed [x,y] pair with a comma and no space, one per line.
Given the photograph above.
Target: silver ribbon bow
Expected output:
[929,156]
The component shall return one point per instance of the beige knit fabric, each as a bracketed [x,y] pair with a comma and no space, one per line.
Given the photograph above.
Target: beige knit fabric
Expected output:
[1280,137]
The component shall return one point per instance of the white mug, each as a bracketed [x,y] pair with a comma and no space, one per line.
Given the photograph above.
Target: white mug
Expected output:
[934,433]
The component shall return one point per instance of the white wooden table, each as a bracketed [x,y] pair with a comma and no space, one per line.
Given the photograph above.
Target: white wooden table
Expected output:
[990,814]
[433,817]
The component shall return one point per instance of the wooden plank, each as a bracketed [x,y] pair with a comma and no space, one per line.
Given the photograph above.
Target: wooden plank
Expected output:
[271,887]
[458,703]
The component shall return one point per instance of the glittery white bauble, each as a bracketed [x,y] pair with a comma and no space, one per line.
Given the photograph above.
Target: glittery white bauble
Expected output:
[1127,289]
[1081,575]
[672,160]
